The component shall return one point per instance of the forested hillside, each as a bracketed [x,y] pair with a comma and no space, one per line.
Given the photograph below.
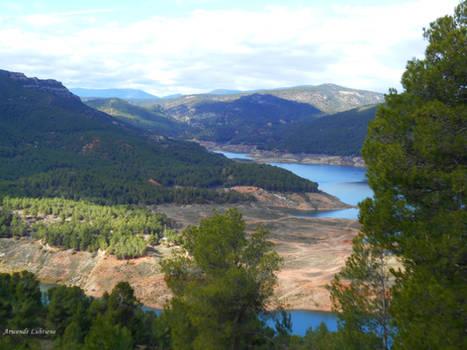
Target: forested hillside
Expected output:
[54,145]
[147,118]
[247,118]
[124,231]
[339,134]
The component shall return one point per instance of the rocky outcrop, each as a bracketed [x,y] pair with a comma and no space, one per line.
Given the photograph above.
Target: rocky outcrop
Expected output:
[304,158]
[309,201]
[44,85]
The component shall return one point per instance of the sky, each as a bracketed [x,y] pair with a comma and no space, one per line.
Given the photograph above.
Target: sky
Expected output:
[166,47]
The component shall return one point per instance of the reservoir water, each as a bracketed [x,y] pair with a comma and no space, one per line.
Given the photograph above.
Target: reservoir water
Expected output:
[301,320]
[345,182]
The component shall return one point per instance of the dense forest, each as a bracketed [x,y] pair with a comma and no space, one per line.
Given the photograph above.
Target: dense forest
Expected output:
[53,145]
[339,134]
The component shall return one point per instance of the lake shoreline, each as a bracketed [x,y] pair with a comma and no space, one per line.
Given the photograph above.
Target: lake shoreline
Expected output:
[263,156]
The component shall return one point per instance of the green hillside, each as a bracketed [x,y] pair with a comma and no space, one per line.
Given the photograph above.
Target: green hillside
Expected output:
[52,145]
[338,134]
[247,118]
[148,118]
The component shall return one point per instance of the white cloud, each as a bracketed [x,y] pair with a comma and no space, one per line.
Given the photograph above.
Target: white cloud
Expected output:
[46,19]
[361,46]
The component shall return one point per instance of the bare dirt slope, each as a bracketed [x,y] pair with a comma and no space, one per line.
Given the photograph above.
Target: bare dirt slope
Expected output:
[95,273]
[313,250]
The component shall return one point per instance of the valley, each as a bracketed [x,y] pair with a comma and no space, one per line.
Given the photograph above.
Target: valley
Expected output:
[53,145]
[260,120]
[76,153]
[196,179]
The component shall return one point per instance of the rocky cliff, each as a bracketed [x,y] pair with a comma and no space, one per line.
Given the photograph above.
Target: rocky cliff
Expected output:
[44,85]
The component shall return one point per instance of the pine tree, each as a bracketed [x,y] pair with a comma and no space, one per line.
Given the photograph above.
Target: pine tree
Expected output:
[361,297]
[416,153]
[221,280]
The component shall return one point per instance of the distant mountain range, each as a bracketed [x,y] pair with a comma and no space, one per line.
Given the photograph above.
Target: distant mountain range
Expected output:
[256,109]
[285,119]
[242,120]
[51,144]
[328,98]
[116,93]
[266,121]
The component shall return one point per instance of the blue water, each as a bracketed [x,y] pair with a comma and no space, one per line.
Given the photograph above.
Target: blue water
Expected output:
[345,182]
[301,320]
[351,213]
[44,288]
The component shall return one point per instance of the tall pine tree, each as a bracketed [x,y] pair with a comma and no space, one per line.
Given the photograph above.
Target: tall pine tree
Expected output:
[416,153]
[221,281]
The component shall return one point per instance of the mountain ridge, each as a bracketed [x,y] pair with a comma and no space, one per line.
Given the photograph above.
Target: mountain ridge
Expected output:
[264,121]
[149,118]
[329,98]
[45,85]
